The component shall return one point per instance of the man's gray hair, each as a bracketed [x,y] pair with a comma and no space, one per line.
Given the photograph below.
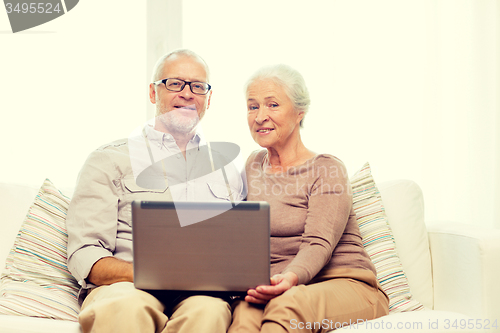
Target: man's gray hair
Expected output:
[290,80]
[158,69]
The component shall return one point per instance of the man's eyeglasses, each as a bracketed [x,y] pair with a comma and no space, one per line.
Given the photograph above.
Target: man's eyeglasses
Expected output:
[198,88]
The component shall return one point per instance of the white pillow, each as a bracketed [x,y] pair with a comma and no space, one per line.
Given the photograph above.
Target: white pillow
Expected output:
[404,206]
[36,281]
[379,242]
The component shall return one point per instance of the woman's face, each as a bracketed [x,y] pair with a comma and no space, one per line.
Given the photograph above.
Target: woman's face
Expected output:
[272,118]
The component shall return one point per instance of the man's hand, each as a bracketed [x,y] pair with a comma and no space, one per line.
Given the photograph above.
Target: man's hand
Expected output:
[109,270]
[279,284]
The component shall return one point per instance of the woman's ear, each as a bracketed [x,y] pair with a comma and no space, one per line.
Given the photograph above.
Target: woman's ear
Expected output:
[300,117]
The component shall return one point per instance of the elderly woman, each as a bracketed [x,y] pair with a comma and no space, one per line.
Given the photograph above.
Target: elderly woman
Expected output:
[322,278]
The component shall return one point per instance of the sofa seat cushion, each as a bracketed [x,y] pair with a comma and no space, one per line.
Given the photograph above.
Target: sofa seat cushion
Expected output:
[17,324]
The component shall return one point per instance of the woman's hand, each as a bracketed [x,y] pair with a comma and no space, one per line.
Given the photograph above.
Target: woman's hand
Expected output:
[279,284]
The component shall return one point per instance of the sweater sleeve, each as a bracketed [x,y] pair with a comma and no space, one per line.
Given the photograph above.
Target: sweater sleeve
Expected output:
[329,205]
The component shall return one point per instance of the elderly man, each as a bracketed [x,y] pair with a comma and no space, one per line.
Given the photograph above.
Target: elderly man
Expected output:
[99,217]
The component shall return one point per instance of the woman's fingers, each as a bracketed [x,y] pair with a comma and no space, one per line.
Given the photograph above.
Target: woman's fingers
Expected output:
[263,294]
[279,284]
[255,297]
[251,299]
[273,290]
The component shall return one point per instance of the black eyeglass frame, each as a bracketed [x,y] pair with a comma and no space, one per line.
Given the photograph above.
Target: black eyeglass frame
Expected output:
[164,81]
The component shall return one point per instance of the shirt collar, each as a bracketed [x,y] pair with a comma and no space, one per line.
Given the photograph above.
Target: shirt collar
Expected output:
[166,138]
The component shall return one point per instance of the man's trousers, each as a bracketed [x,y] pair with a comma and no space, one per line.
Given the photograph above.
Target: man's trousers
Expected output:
[121,307]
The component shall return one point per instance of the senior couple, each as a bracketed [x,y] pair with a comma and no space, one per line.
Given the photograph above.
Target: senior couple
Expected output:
[320,270]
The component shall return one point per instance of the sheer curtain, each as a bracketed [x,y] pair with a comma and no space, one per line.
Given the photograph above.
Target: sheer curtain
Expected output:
[411,86]
[164,33]
[462,112]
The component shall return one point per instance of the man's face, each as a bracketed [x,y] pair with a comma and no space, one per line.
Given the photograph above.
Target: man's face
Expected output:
[182,110]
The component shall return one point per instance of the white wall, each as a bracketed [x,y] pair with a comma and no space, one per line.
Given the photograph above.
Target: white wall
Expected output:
[410,86]
[69,86]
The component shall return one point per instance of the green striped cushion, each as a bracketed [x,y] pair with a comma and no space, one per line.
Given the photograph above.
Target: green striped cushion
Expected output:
[36,281]
[379,242]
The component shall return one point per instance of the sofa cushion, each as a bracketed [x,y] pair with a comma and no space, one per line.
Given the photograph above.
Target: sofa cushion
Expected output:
[404,206]
[378,241]
[18,324]
[36,281]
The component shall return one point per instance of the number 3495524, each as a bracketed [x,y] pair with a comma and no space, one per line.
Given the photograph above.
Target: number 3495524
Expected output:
[33,7]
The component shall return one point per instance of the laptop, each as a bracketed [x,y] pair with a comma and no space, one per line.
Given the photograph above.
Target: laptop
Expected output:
[224,254]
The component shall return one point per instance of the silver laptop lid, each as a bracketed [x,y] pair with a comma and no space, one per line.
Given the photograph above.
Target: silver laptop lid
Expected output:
[228,252]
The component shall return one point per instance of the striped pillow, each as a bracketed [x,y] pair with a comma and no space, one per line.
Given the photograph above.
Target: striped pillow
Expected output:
[379,242]
[36,281]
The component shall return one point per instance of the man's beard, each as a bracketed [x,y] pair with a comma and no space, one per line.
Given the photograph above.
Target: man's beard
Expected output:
[176,122]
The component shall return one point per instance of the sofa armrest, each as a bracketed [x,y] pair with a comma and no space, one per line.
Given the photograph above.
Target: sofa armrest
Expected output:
[465,265]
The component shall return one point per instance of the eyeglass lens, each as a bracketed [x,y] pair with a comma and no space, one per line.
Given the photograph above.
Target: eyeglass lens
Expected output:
[178,85]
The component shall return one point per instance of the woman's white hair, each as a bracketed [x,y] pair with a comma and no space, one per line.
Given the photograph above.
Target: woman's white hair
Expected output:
[290,80]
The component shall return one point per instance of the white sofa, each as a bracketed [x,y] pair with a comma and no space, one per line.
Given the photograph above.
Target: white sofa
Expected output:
[452,269]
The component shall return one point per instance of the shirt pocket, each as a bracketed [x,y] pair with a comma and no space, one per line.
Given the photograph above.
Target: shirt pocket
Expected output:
[220,191]
[131,191]
[131,187]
